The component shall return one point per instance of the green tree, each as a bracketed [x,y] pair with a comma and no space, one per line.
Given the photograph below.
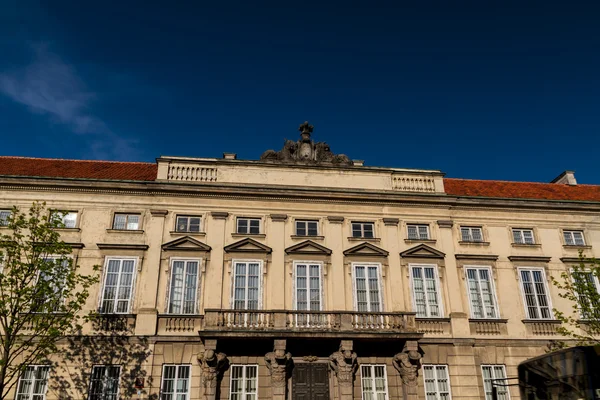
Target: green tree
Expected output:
[42,294]
[581,326]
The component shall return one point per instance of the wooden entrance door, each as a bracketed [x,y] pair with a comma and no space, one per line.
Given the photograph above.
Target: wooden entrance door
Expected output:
[310,381]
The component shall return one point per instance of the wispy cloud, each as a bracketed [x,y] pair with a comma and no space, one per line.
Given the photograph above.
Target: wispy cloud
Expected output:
[52,87]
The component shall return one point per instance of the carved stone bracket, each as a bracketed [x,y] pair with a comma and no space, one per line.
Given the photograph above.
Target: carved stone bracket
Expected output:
[408,363]
[279,362]
[212,364]
[344,364]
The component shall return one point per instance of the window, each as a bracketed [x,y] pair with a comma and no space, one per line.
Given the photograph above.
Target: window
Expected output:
[489,373]
[187,224]
[574,238]
[104,383]
[471,234]
[246,285]
[129,222]
[585,284]
[184,286]
[51,298]
[249,226]
[362,230]
[175,382]
[481,292]
[33,383]
[308,287]
[418,232]
[523,236]
[437,382]
[4,215]
[307,228]
[374,382]
[368,288]
[243,385]
[425,291]
[67,218]
[537,303]
[118,285]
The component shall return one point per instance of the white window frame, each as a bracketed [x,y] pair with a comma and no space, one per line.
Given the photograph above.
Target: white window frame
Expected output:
[362,229]
[127,216]
[237,225]
[306,222]
[417,227]
[548,297]
[106,366]
[243,395]
[62,214]
[295,283]
[522,235]
[4,219]
[260,284]
[439,297]
[493,289]
[571,233]
[187,229]
[374,391]
[596,282]
[55,258]
[379,281]
[470,230]
[30,394]
[493,370]
[436,381]
[176,395]
[133,282]
[172,260]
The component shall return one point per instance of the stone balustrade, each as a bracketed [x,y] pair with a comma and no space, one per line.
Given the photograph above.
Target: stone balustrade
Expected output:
[191,173]
[179,324]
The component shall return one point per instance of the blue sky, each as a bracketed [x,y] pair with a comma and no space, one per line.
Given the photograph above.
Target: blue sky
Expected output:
[490,90]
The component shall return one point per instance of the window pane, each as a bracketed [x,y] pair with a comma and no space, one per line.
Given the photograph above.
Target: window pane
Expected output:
[242,225]
[465,234]
[356,230]
[412,232]
[194,224]
[69,219]
[120,221]
[300,228]
[312,228]
[182,224]
[368,230]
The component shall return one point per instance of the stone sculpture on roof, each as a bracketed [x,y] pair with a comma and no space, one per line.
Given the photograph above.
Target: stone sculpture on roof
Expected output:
[306,151]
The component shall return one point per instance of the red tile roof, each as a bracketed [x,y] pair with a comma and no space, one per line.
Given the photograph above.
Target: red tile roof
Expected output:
[140,171]
[58,168]
[521,190]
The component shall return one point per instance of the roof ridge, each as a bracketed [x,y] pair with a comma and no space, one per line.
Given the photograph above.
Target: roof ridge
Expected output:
[75,160]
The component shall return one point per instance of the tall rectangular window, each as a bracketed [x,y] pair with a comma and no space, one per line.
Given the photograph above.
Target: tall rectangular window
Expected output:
[4,215]
[248,226]
[481,292]
[437,382]
[471,234]
[118,285]
[175,382]
[129,222]
[523,236]
[307,228]
[246,285]
[187,223]
[374,382]
[368,288]
[244,382]
[585,284]
[490,373]
[574,238]
[33,383]
[363,230]
[183,288]
[417,232]
[425,291]
[308,287]
[51,288]
[535,294]
[104,384]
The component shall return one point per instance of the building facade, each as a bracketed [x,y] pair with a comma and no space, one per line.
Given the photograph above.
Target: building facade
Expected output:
[303,275]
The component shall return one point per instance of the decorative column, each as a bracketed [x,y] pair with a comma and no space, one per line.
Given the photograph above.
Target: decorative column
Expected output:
[408,364]
[344,364]
[212,364]
[279,363]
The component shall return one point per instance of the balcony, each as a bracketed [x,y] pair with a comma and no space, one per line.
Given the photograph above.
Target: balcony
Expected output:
[175,325]
[309,324]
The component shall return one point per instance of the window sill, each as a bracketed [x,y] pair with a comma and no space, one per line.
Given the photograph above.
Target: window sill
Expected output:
[525,245]
[307,237]
[363,239]
[432,319]
[181,233]
[495,320]
[545,321]
[67,229]
[132,231]
[576,247]
[462,242]
[432,241]
[258,235]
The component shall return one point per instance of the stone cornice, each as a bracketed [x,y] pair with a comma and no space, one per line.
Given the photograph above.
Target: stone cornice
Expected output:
[529,259]
[121,246]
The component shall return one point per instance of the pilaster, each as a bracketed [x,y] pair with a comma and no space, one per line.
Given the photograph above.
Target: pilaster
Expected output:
[215,271]
[276,275]
[336,275]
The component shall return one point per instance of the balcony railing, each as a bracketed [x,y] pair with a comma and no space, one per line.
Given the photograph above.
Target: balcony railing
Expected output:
[179,324]
[309,321]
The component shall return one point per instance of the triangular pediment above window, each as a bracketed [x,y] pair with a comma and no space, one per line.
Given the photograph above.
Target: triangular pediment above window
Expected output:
[247,245]
[366,249]
[308,247]
[186,243]
[422,251]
